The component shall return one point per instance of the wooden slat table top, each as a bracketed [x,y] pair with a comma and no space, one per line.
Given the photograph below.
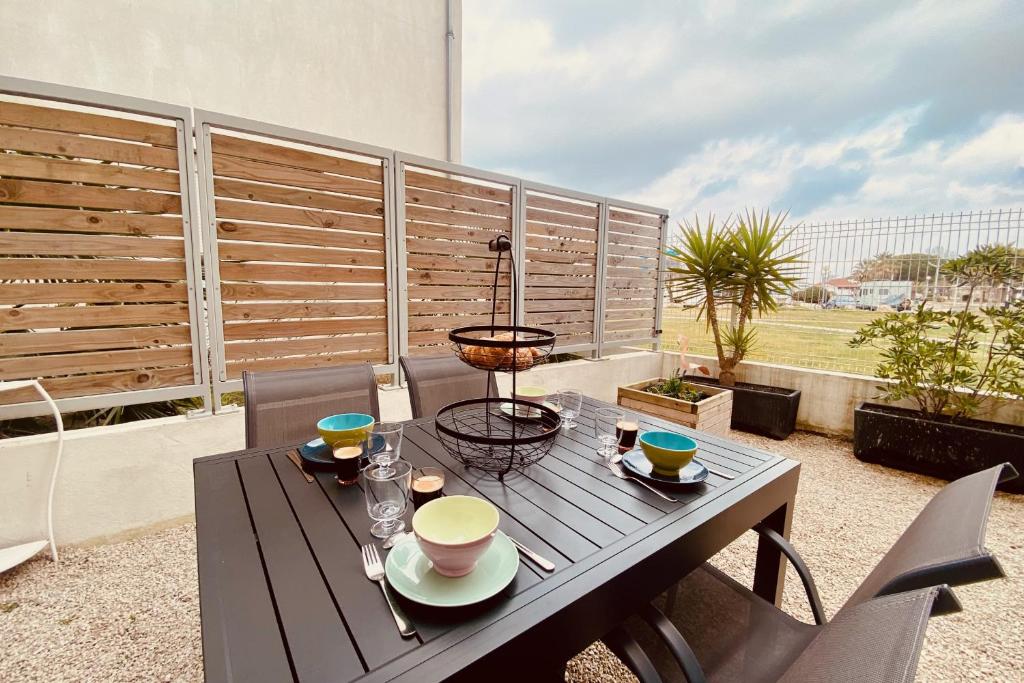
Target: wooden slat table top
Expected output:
[283,594]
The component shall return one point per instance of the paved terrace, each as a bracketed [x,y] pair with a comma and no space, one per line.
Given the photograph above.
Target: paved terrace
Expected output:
[130,611]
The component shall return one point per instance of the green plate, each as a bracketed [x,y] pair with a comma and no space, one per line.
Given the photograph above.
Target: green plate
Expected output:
[410,573]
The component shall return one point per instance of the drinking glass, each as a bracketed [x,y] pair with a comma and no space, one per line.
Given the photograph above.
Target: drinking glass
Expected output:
[387,495]
[607,424]
[571,403]
[385,443]
[626,431]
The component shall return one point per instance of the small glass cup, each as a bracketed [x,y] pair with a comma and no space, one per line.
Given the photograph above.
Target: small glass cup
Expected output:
[387,496]
[348,460]
[384,443]
[626,431]
[607,420]
[427,485]
[570,404]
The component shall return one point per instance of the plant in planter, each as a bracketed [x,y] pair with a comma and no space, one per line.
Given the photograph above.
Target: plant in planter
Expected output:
[708,409]
[743,267]
[952,365]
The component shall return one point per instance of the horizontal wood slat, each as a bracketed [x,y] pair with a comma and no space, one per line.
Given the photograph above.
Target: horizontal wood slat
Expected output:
[49,317]
[90,269]
[451,186]
[243,251]
[255,232]
[67,121]
[272,272]
[634,217]
[62,144]
[104,383]
[294,347]
[261,311]
[89,340]
[89,245]
[69,220]
[64,194]
[256,192]
[93,361]
[248,169]
[299,158]
[302,328]
[73,293]
[376,355]
[43,168]
[269,213]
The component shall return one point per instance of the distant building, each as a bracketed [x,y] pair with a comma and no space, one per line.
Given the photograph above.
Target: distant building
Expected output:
[841,286]
[875,293]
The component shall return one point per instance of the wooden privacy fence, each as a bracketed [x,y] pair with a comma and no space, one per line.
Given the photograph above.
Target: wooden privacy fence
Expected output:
[298,228]
[98,263]
[315,251]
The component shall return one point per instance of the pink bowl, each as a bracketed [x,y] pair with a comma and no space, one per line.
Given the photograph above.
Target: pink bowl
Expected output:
[454,531]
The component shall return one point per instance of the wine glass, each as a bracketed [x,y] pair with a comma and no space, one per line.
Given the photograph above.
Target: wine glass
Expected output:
[570,404]
[607,420]
[384,443]
[387,495]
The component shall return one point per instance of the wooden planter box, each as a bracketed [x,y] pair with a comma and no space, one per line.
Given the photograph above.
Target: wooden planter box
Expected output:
[711,415]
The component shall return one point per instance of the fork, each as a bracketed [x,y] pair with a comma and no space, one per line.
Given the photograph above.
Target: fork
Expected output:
[617,470]
[375,572]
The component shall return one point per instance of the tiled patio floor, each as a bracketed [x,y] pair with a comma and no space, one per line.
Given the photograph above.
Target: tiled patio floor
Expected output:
[130,612]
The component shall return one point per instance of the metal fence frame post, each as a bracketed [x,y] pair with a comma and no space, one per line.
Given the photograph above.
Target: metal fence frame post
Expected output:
[660,307]
[601,290]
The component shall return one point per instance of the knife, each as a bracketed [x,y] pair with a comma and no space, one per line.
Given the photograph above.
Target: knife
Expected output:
[546,565]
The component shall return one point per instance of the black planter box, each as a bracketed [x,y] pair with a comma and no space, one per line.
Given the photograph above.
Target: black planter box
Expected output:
[904,439]
[759,409]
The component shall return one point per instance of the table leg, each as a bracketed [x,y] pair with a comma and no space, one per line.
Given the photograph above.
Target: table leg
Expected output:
[770,569]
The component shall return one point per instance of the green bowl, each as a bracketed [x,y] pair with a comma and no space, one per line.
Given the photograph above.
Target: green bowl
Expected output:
[347,429]
[668,452]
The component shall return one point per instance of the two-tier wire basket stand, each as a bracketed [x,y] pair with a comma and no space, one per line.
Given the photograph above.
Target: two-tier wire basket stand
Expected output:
[491,433]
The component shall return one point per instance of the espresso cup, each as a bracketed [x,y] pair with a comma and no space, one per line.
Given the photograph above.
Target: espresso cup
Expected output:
[427,485]
[347,460]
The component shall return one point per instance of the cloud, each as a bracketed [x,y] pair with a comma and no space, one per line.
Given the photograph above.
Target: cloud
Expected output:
[853,107]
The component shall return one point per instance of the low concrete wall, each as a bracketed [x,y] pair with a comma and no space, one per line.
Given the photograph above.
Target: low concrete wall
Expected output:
[121,480]
[827,399]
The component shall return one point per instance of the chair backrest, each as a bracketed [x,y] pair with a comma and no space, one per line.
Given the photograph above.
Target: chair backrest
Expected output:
[436,381]
[945,542]
[878,640]
[283,407]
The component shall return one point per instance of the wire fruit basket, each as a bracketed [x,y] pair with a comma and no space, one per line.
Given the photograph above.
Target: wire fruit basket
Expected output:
[491,433]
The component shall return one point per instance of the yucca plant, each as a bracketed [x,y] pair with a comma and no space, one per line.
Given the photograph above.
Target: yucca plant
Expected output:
[739,263]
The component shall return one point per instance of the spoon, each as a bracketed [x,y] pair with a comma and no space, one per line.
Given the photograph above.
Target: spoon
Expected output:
[617,470]
[391,540]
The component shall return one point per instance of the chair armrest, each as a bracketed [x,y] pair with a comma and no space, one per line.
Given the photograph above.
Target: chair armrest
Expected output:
[675,642]
[787,549]
[632,655]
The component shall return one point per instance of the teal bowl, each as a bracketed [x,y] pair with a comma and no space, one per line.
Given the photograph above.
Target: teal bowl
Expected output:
[347,429]
[668,452]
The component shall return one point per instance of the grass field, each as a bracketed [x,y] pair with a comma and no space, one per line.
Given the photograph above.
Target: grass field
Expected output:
[804,337]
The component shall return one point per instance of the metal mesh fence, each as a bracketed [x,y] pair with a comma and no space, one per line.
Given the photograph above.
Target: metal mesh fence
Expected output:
[852,272]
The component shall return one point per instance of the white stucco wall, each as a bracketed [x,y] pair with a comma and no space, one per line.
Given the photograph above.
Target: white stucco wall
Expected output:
[372,72]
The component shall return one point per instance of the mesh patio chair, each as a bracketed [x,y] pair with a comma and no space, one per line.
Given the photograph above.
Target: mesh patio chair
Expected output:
[715,629]
[283,407]
[436,381]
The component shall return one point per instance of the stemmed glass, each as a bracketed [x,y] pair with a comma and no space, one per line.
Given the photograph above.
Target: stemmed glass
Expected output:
[607,420]
[570,403]
[387,495]
[384,445]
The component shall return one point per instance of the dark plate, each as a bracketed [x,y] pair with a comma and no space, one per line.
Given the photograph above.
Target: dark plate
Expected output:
[637,464]
[318,456]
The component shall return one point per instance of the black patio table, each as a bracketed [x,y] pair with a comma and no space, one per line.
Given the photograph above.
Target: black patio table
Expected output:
[283,595]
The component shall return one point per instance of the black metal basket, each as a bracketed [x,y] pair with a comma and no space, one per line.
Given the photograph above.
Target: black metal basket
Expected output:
[497,434]
[502,348]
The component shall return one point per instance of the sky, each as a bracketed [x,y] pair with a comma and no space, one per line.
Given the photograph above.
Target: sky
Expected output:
[829,110]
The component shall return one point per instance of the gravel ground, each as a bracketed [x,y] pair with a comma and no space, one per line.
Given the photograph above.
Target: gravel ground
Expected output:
[130,611]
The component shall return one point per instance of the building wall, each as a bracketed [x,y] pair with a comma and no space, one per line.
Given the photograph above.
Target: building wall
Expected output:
[372,72]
